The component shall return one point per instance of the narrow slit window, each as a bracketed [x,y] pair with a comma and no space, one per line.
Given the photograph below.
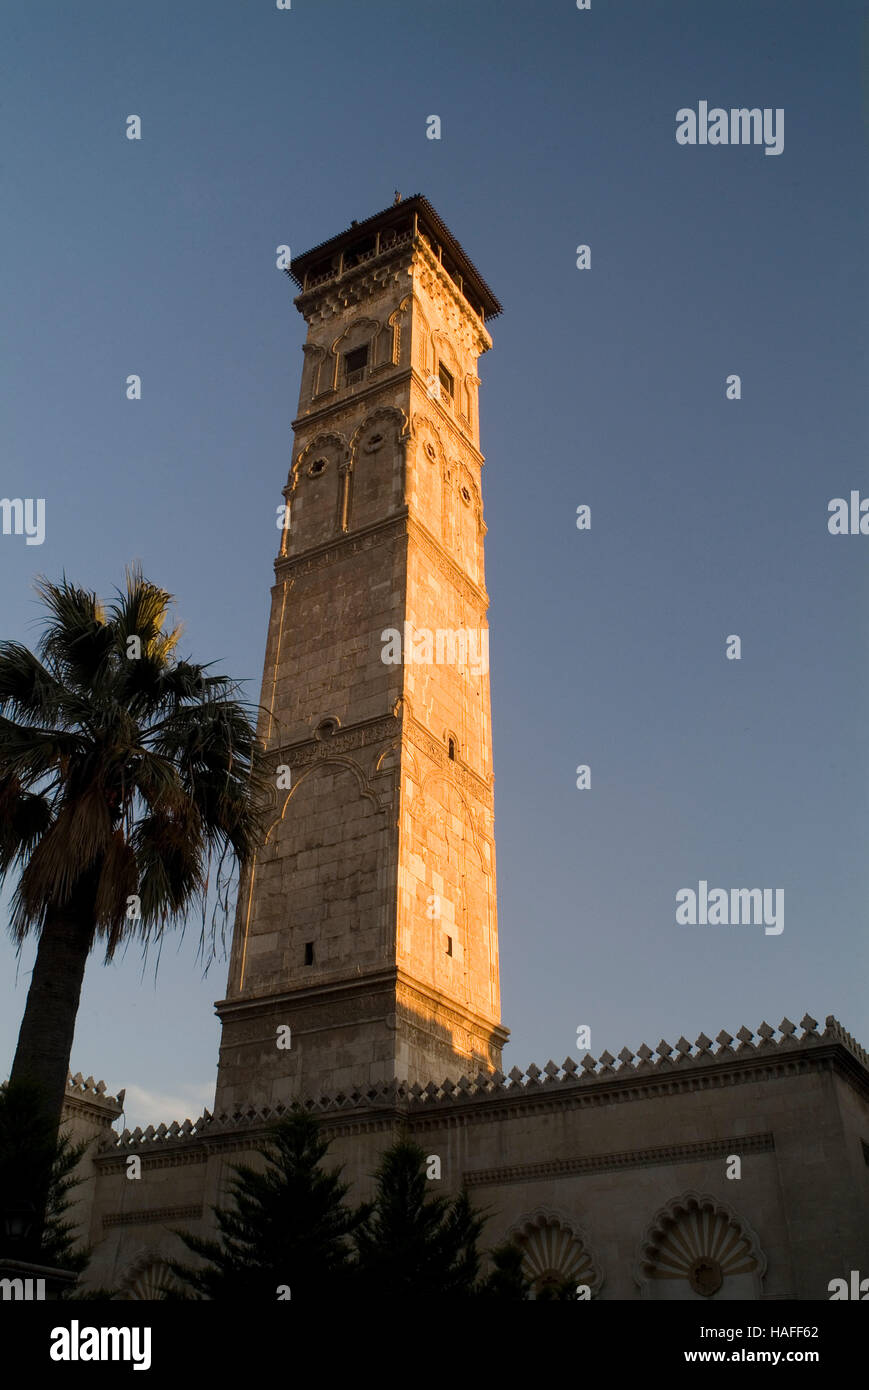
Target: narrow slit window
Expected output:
[309,953]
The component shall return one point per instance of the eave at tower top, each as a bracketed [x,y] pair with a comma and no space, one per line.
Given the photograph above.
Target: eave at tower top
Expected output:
[404,220]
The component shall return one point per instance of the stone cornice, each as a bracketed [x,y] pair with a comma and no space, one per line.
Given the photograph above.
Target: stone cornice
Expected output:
[390,979]
[337,406]
[332,296]
[162,1154]
[73,1106]
[459,1015]
[364,538]
[333,411]
[358,283]
[379,533]
[338,988]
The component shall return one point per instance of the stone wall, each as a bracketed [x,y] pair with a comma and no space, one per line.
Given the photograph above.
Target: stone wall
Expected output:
[614,1170]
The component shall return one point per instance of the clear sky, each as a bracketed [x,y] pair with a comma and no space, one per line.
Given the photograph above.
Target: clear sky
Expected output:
[605,387]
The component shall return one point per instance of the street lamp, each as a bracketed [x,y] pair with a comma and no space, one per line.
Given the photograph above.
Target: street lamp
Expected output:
[18,1221]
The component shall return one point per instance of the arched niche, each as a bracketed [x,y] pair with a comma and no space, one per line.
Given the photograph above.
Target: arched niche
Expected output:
[697,1248]
[376,484]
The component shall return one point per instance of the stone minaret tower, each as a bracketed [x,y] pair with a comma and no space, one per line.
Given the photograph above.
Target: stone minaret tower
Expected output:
[368,924]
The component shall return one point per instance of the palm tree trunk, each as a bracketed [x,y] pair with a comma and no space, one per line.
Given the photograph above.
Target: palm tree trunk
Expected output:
[48,1027]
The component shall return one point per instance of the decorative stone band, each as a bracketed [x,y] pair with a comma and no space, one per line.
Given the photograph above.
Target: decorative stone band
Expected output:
[645,1065]
[701,1152]
[369,732]
[153,1214]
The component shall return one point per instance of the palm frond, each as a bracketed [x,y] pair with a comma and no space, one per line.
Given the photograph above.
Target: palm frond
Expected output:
[170,863]
[30,753]
[77,642]
[24,819]
[74,843]
[27,689]
[140,611]
[118,884]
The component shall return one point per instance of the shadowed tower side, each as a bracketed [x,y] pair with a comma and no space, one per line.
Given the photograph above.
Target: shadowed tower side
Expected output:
[368,925]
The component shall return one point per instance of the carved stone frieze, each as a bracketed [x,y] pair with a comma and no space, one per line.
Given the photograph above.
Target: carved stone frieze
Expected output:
[324,303]
[317,750]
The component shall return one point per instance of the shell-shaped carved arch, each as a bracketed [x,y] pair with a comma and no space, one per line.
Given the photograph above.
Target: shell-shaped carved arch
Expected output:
[700,1240]
[148,1278]
[555,1251]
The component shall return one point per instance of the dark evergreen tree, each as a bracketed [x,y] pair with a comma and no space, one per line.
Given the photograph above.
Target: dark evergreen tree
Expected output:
[287,1228]
[37,1165]
[414,1245]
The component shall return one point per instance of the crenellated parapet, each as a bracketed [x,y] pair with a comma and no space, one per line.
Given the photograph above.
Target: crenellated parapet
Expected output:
[84,1096]
[697,1064]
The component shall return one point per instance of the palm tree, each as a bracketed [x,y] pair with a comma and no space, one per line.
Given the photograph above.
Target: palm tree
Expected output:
[124,772]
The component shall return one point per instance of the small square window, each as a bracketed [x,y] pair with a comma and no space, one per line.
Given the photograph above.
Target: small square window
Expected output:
[446,380]
[309,953]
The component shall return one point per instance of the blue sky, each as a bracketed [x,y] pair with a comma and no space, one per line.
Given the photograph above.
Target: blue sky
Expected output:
[605,387]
